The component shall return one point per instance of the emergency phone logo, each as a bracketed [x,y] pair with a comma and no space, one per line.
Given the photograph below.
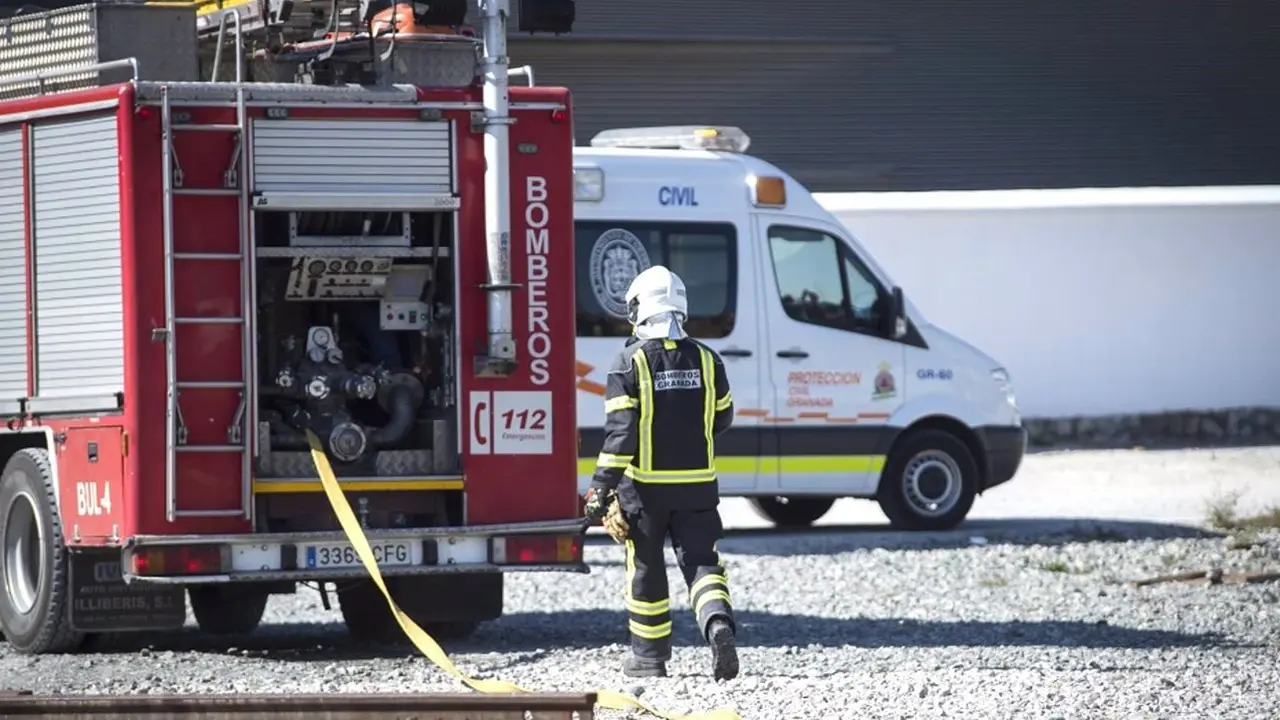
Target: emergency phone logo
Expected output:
[616,258]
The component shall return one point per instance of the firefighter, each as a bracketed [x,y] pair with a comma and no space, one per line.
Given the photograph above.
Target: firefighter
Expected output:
[666,399]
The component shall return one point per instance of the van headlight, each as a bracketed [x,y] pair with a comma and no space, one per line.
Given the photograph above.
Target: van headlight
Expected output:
[1002,380]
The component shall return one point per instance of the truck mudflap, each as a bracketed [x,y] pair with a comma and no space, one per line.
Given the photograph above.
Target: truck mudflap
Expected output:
[554,546]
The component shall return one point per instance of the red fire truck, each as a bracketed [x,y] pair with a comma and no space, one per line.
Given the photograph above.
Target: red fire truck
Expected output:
[225,225]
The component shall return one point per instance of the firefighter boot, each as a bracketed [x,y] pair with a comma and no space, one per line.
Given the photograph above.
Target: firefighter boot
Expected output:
[724,653]
[634,666]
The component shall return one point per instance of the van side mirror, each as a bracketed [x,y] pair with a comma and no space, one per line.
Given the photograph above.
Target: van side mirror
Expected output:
[898,313]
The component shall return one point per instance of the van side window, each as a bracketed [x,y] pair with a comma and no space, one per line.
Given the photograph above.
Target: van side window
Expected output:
[608,255]
[822,283]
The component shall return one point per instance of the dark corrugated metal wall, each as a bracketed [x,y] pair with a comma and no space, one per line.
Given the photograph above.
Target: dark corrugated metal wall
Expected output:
[776,98]
[931,94]
[712,20]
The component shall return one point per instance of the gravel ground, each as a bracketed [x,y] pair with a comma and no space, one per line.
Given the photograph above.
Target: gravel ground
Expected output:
[1018,619]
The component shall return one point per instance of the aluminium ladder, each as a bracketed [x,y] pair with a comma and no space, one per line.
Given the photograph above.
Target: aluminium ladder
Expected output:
[235,184]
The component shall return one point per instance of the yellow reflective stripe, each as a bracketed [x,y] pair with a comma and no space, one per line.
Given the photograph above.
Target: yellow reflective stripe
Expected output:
[724,402]
[670,477]
[708,597]
[609,460]
[640,607]
[646,408]
[707,581]
[672,474]
[800,464]
[631,568]
[650,632]
[708,403]
[789,464]
[620,403]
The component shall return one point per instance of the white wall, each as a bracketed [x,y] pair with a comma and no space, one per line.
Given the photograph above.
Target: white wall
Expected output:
[1094,306]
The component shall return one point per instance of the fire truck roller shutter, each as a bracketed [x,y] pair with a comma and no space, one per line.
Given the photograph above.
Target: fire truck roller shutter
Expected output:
[13,281]
[79,312]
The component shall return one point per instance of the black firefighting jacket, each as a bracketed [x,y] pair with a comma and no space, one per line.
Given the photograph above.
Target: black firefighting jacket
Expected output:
[665,402]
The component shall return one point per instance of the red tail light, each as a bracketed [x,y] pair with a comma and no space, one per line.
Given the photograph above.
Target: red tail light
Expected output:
[178,560]
[559,115]
[538,550]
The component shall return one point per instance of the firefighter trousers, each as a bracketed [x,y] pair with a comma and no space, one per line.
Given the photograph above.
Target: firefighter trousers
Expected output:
[694,535]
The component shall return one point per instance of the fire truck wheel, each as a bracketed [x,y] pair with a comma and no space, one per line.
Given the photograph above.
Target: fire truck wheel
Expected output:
[365,613]
[792,512]
[929,482]
[452,630]
[35,605]
[227,609]
[368,619]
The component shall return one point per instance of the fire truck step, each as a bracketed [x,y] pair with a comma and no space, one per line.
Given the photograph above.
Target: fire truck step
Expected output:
[209,385]
[208,256]
[210,448]
[206,128]
[208,513]
[208,320]
[215,192]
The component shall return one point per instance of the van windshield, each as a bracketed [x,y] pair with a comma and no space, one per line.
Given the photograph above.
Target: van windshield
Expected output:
[609,254]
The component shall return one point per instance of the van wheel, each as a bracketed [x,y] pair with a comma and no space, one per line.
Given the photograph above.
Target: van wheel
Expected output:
[929,482]
[792,512]
[34,607]
[227,610]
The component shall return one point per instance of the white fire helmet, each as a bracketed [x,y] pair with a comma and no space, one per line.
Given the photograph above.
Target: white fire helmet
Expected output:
[657,304]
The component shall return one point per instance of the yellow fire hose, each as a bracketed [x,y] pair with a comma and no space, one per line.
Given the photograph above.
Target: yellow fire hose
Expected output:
[426,645]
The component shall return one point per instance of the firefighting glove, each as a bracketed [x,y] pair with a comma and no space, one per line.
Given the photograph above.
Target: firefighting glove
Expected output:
[597,503]
[615,523]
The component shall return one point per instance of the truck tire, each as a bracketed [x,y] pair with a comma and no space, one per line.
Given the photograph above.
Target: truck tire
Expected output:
[447,608]
[929,482]
[227,609]
[35,604]
[799,511]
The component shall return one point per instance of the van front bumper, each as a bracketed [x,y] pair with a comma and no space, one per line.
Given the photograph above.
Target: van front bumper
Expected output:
[1005,446]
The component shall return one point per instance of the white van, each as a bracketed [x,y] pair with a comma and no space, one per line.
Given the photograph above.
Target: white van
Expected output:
[841,387]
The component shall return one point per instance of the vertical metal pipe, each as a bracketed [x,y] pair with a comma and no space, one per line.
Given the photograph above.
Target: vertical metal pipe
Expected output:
[239,48]
[217,50]
[497,179]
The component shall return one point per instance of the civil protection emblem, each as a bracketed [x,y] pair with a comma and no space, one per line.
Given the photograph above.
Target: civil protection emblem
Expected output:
[616,258]
[884,385]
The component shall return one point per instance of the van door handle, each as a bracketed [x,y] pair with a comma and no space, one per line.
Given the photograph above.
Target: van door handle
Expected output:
[735,352]
[792,354]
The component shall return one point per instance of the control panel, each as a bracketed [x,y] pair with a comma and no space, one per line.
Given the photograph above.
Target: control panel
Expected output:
[321,278]
[404,315]
[402,306]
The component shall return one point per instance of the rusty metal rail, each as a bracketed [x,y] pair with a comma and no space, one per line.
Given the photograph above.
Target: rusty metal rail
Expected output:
[442,706]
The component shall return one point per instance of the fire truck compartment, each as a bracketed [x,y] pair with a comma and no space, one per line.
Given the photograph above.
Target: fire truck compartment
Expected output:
[356,344]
